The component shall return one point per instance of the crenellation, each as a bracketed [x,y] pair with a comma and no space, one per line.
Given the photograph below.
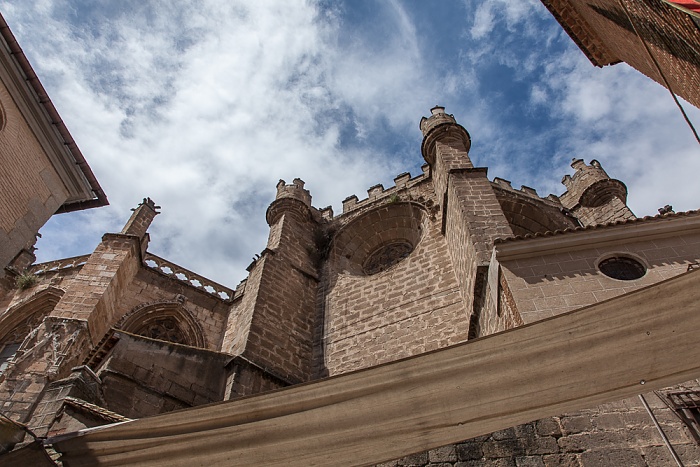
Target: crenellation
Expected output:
[378,192]
[326,213]
[503,183]
[529,191]
[374,191]
[295,191]
[402,179]
[349,203]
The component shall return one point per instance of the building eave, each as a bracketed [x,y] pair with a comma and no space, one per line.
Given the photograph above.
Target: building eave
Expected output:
[62,150]
[581,33]
[621,232]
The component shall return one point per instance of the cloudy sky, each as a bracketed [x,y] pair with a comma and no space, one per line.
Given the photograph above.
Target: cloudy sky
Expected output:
[205,105]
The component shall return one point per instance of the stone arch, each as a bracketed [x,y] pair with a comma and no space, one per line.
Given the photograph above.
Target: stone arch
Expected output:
[26,315]
[528,218]
[19,320]
[165,320]
[387,233]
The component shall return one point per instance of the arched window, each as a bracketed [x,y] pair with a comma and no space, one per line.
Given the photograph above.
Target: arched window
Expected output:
[21,319]
[165,321]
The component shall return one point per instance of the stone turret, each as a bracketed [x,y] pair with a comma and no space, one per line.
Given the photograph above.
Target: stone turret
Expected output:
[444,128]
[471,214]
[290,198]
[591,186]
[273,325]
[593,196]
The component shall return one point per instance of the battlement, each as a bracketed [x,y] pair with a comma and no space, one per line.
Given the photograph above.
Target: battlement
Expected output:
[525,190]
[590,186]
[375,192]
[295,190]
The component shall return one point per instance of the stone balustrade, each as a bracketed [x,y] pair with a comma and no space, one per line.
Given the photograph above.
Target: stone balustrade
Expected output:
[188,277]
[60,264]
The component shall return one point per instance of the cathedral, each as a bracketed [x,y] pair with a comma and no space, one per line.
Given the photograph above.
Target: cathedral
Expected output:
[123,357]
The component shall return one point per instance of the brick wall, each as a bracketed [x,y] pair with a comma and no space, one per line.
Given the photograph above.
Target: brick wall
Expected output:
[671,35]
[30,189]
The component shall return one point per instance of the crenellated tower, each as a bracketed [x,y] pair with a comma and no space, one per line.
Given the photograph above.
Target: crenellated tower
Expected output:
[273,324]
[471,214]
[592,196]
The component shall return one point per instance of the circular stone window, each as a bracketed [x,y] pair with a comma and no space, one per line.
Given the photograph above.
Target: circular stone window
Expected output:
[386,256]
[622,268]
[378,239]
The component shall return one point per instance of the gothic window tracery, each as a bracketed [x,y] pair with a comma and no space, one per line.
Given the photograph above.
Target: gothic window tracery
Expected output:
[165,329]
[165,321]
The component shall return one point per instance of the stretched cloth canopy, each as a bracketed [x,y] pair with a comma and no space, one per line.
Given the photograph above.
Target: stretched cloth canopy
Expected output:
[631,344]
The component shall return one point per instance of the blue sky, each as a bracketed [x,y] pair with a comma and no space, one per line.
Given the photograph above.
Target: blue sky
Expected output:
[205,105]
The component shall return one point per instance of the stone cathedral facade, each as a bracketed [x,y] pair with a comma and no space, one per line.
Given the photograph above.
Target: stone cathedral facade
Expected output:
[437,259]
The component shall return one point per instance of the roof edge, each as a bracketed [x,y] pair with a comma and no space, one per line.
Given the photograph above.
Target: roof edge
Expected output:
[44,100]
[586,40]
[596,235]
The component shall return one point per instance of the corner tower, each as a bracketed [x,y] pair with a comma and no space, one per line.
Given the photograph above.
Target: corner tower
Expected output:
[592,196]
[472,217]
[273,325]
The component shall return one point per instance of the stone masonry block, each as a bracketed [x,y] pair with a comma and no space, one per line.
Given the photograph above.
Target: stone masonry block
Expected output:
[487,463]
[583,441]
[508,433]
[544,445]
[548,427]
[414,460]
[561,460]
[576,424]
[529,461]
[443,454]
[612,458]
[469,451]
[505,448]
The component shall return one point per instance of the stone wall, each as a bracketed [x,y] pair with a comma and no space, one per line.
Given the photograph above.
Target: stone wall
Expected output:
[410,307]
[549,284]
[142,377]
[617,434]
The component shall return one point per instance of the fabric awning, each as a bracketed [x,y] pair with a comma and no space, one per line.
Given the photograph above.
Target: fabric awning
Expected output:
[632,344]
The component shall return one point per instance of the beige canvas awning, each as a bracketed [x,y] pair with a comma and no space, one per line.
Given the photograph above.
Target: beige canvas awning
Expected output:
[615,349]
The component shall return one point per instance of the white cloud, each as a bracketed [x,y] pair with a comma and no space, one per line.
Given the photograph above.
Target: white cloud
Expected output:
[203,106]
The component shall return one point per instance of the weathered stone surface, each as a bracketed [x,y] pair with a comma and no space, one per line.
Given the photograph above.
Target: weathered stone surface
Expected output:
[612,458]
[443,454]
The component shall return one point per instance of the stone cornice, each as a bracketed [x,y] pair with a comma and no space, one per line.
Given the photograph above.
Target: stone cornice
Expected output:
[640,229]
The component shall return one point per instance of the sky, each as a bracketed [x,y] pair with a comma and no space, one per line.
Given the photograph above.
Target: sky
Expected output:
[204,105]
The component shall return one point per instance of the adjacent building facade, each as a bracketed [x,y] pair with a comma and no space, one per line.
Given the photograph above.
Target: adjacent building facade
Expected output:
[650,35]
[437,259]
[42,171]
